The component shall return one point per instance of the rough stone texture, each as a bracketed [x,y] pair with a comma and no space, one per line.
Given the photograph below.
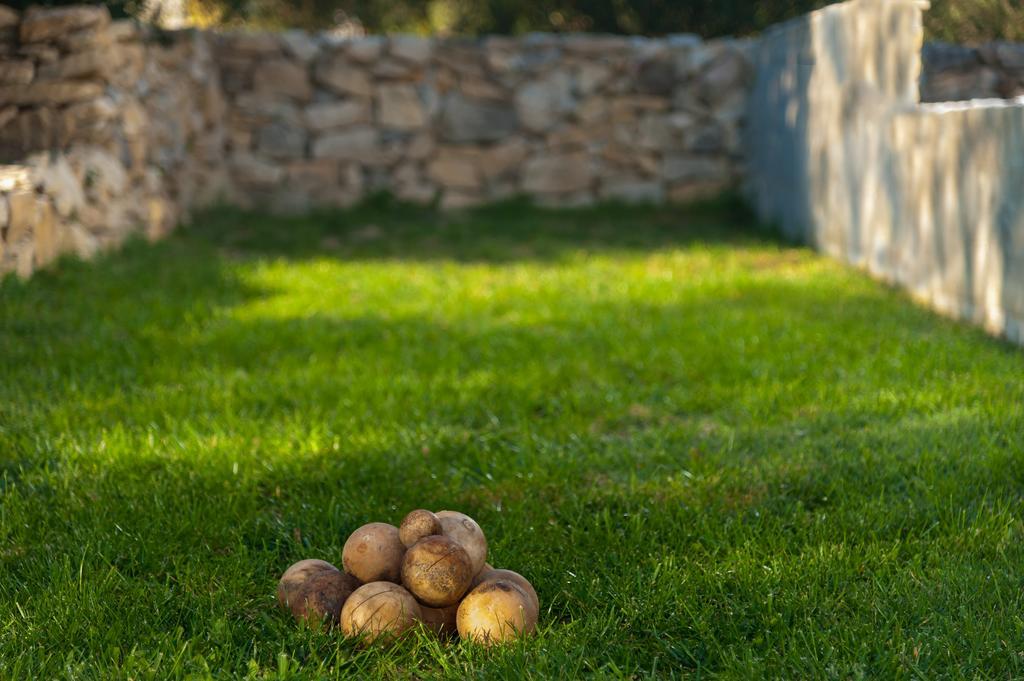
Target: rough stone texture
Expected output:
[557,174]
[400,107]
[107,134]
[137,129]
[283,78]
[44,23]
[476,120]
[329,115]
[956,73]
[841,155]
[49,93]
[17,72]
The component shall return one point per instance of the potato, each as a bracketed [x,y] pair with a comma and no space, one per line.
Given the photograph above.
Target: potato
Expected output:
[379,610]
[442,621]
[437,571]
[373,553]
[466,532]
[417,525]
[479,577]
[517,579]
[315,591]
[497,610]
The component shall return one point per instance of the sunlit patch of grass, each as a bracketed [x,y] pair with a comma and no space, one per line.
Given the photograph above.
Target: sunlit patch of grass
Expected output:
[714,454]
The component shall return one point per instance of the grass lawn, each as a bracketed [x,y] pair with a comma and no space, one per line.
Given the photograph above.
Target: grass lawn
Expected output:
[715,455]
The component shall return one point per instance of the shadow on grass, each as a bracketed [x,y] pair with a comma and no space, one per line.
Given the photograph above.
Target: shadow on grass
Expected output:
[504,232]
[169,448]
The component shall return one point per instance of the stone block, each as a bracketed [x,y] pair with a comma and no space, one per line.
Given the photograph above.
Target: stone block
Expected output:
[250,169]
[339,114]
[22,209]
[358,143]
[316,176]
[49,93]
[44,234]
[364,50]
[246,44]
[58,181]
[541,104]
[283,78]
[86,39]
[16,72]
[9,17]
[473,120]
[45,23]
[342,77]
[399,107]
[79,65]
[656,77]
[456,169]
[411,48]
[281,141]
[300,45]
[503,159]
[557,174]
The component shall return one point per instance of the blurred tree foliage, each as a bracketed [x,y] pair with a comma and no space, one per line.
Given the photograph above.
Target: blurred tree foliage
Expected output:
[975,21]
[964,21]
[118,8]
[475,17]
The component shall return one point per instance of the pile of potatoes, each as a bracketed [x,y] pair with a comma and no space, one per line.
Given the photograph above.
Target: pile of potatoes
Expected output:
[431,569]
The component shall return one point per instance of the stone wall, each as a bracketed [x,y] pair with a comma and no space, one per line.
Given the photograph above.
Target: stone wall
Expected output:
[841,155]
[108,130]
[105,132]
[565,120]
[957,72]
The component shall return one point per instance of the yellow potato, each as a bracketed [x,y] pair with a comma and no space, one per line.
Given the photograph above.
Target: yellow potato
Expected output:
[437,571]
[379,610]
[373,553]
[494,612]
[466,532]
[417,525]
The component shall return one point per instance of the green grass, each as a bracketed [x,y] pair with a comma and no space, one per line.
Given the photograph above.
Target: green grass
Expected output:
[714,455]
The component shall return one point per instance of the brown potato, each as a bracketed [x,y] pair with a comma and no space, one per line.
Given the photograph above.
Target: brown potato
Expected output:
[494,612]
[466,532]
[442,621]
[437,571]
[373,553]
[515,578]
[417,525]
[480,576]
[315,591]
[379,610]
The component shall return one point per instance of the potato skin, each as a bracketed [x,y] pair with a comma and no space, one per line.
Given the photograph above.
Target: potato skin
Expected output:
[296,575]
[315,591]
[442,621]
[494,612]
[373,553]
[379,610]
[480,576]
[514,577]
[417,525]
[466,532]
[437,571]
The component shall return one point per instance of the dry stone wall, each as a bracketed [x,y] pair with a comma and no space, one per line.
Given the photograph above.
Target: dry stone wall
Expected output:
[958,72]
[565,120]
[105,132]
[842,155]
[108,130]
